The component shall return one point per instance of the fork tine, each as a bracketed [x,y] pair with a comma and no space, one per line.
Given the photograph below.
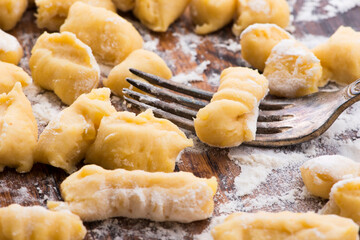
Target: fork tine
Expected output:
[168,107]
[179,121]
[167,95]
[198,93]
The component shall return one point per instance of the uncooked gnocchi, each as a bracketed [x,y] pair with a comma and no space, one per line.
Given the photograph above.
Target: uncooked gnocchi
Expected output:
[25,223]
[211,15]
[96,194]
[18,131]
[11,74]
[292,70]
[141,142]
[157,15]
[285,226]
[65,140]
[340,56]
[230,118]
[258,40]
[140,59]
[124,5]
[62,63]
[10,49]
[261,11]
[52,13]
[11,12]
[111,37]
[321,173]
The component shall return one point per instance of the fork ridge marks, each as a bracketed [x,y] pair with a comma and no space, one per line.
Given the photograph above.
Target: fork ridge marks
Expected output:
[230,118]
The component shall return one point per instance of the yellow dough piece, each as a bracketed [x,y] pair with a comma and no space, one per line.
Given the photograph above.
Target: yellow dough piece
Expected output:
[158,15]
[231,116]
[141,142]
[10,49]
[140,59]
[344,199]
[11,12]
[111,37]
[18,131]
[339,56]
[65,140]
[96,194]
[211,15]
[261,11]
[52,13]
[62,63]
[321,173]
[124,5]
[11,74]
[292,70]
[258,40]
[27,223]
[285,226]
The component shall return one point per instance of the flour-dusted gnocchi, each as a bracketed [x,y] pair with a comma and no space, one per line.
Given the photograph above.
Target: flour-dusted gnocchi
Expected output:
[292,70]
[231,116]
[62,63]
[10,49]
[11,12]
[340,56]
[11,74]
[111,37]
[321,173]
[96,194]
[65,140]
[141,142]
[18,131]
[285,225]
[258,40]
[261,11]
[124,5]
[26,223]
[210,16]
[52,13]
[158,15]
[140,59]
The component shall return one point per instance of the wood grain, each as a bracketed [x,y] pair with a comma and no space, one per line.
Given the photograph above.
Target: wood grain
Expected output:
[43,181]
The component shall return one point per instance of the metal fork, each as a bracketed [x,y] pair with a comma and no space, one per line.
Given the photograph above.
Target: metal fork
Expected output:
[281,122]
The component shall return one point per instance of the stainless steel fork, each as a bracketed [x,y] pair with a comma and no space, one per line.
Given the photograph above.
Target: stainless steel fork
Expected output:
[281,122]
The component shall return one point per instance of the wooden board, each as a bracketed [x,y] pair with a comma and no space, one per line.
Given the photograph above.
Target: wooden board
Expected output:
[42,183]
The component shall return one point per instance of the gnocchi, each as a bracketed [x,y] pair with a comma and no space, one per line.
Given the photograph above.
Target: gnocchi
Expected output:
[11,12]
[10,49]
[124,5]
[11,74]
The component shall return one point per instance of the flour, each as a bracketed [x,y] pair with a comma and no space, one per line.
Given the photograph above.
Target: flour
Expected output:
[192,76]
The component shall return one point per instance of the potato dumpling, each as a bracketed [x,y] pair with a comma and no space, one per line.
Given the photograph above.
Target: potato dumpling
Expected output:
[261,11]
[230,118]
[321,173]
[141,142]
[52,13]
[258,40]
[124,5]
[25,223]
[18,131]
[344,199]
[10,49]
[11,12]
[211,15]
[140,59]
[340,56]
[96,194]
[11,74]
[285,226]
[64,64]
[292,70]
[65,140]
[111,37]
[158,15]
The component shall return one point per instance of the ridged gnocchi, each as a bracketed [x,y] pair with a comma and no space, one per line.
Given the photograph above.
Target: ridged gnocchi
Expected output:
[94,194]
[10,49]
[230,118]
[11,12]
[11,74]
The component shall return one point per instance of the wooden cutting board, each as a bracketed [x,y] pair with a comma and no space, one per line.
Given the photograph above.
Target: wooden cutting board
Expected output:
[42,183]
